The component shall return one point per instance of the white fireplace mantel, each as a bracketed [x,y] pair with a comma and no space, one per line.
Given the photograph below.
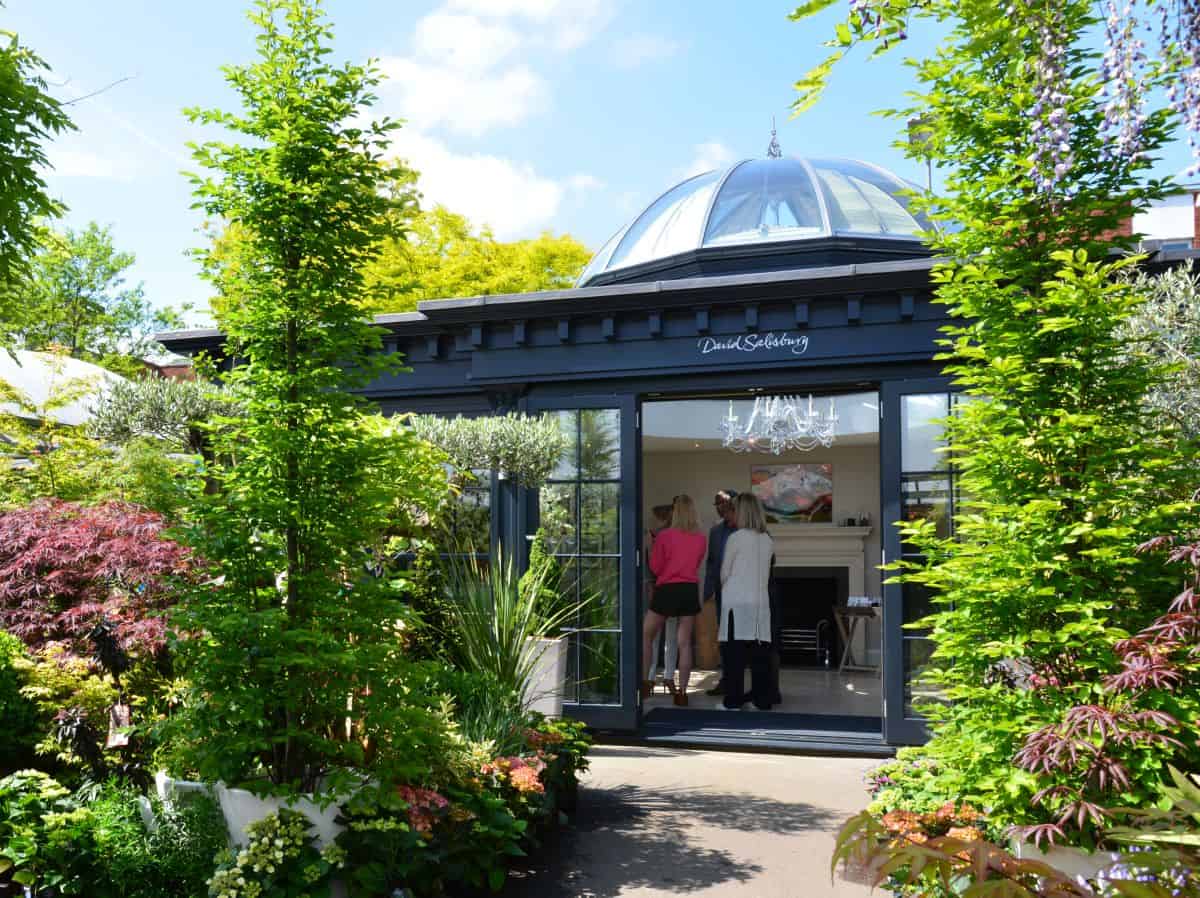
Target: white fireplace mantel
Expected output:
[824,545]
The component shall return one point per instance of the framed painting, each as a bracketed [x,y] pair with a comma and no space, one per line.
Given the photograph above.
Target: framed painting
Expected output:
[801,493]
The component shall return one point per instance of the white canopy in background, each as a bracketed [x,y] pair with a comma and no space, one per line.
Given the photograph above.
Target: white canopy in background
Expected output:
[37,375]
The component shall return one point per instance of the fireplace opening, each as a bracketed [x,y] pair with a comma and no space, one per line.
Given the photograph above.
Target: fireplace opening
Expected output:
[805,598]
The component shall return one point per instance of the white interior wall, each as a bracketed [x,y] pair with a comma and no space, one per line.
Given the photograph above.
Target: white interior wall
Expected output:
[701,472]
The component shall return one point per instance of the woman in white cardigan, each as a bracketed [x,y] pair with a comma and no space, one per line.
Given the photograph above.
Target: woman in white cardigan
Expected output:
[746,606]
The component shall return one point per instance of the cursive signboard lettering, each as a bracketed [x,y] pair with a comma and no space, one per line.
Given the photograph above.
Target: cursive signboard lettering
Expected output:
[797,344]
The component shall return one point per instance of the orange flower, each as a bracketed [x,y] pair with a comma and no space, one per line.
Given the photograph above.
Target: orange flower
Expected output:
[901,821]
[525,779]
[945,813]
[968,814]
[966,833]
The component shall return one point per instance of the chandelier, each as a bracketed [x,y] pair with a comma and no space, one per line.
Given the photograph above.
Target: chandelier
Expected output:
[780,424]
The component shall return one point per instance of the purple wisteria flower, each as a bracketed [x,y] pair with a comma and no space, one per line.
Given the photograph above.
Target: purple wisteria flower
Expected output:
[1050,120]
[1122,72]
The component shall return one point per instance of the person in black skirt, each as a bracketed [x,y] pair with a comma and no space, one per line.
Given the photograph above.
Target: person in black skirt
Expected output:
[675,563]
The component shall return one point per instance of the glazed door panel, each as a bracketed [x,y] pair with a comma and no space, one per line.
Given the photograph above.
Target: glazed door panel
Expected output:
[586,516]
[918,482]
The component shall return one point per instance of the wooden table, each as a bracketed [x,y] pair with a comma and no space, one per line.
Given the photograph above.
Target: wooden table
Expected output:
[848,620]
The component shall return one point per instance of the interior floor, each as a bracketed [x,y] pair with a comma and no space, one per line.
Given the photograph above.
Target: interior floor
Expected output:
[804,691]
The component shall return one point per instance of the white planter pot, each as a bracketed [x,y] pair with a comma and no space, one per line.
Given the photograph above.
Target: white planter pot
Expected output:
[547,684]
[1074,862]
[241,808]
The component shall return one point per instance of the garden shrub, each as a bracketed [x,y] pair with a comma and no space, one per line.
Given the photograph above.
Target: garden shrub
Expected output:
[65,566]
[44,840]
[280,858]
[177,858]
[18,716]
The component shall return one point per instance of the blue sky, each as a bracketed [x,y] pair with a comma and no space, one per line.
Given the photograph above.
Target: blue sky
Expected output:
[567,115]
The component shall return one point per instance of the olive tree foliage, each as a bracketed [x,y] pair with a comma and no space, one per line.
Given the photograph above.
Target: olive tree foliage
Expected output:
[295,673]
[1167,325]
[29,118]
[173,411]
[523,448]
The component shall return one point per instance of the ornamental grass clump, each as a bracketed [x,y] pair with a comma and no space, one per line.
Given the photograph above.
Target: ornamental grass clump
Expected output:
[494,619]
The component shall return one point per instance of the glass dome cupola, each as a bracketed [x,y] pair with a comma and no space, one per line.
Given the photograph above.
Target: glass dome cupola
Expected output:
[761,202]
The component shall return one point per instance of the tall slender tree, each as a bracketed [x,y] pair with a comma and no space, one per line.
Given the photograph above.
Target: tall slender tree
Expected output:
[29,118]
[295,651]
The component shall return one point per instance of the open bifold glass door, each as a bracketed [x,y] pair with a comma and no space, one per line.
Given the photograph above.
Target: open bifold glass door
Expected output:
[586,517]
[918,482]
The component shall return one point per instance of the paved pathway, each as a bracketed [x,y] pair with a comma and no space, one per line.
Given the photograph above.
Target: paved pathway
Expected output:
[659,822]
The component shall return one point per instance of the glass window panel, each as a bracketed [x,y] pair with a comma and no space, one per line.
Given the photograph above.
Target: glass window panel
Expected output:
[599,518]
[918,603]
[764,200]
[921,436]
[918,661]
[559,517]
[568,465]
[884,193]
[568,586]
[599,653]
[926,497]
[469,521]
[600,592]
[600,444]
[599,261]
[671,225]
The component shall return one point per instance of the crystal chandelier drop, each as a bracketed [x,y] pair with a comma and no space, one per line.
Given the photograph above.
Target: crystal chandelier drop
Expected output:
[780,424]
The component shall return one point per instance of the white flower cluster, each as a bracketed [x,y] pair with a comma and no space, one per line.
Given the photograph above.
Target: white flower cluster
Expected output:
[274,842]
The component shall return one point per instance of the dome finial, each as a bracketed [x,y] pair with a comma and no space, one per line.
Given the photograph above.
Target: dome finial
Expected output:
[773,150]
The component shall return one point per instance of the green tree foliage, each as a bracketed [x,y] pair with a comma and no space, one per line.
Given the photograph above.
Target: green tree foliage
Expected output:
[75,296]
[29,117]
[296,670]
[1063,471]
[442,256]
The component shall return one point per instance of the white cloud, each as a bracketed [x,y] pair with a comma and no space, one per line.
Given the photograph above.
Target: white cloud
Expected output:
[567,24]
[430,95]
[707,157]
[70,163]
[633,50]
[584,182]
[463,42]
[510,197]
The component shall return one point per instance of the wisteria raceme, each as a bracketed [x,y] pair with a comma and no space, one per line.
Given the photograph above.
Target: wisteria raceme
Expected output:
[1122,72]
[1050,125]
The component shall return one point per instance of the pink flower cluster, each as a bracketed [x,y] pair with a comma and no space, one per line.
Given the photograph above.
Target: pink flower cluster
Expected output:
[424,806]
[524,773]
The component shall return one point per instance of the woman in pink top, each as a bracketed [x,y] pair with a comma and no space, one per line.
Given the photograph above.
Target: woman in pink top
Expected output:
[675,561]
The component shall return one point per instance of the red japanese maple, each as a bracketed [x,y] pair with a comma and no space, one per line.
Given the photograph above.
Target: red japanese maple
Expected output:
[64,566]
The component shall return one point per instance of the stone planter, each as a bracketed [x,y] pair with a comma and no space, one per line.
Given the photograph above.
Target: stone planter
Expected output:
[548,679]
[241,808]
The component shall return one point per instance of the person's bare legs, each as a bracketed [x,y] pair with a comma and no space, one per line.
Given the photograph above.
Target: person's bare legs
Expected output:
[683,637]
[650,630]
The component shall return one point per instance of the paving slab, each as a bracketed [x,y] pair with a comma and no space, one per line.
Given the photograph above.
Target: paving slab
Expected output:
[660,822]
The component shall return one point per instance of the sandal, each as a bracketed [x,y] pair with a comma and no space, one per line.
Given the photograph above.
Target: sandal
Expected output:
[680,698]
[671,687]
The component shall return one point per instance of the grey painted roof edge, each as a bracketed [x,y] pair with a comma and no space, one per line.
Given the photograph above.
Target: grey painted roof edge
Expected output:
[431,308]
[429,311]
